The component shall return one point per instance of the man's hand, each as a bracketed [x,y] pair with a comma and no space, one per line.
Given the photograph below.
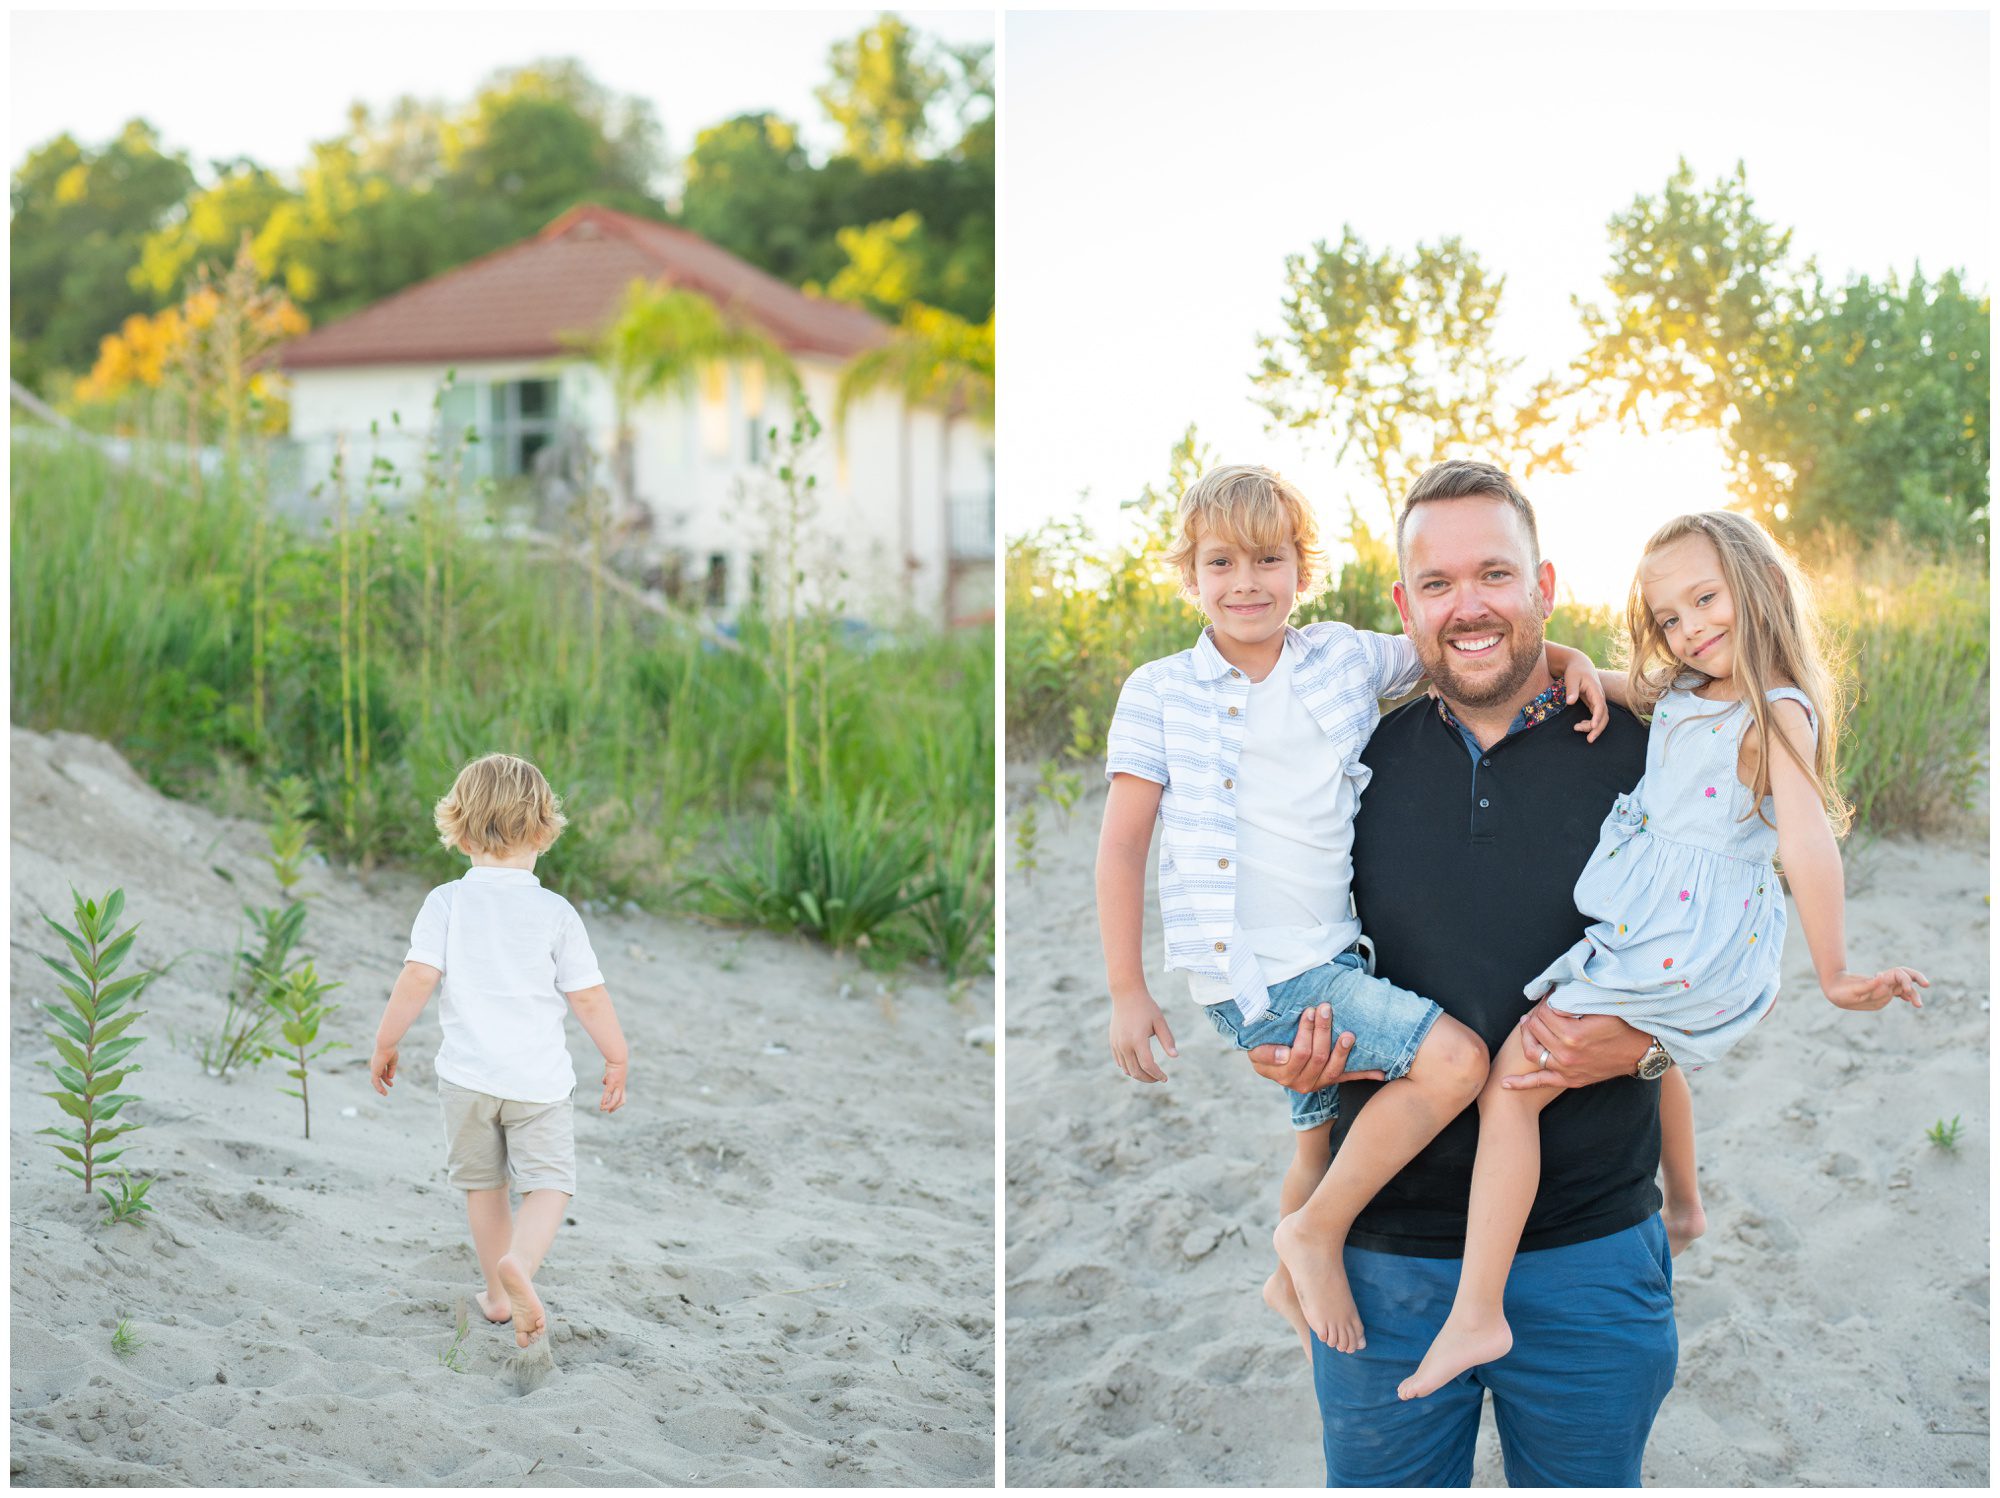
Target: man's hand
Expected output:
[1135,1021]
[382,1068]
[1314,1059]
[1583,1049]
[1866,991]
[614,1087]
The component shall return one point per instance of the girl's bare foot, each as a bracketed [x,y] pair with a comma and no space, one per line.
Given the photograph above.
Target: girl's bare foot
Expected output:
[1457,1347]
[1684,1224]
[1280,1297]
[530,1320]
[494,1305]
[1320,1279]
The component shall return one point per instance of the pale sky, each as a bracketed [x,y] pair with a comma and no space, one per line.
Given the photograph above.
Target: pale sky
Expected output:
[268,84]
[1157,169]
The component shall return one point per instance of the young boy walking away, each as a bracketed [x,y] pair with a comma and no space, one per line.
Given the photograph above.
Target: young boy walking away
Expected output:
[1247,750]
[507,951]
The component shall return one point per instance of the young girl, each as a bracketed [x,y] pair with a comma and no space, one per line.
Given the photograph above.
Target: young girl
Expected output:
[1689,920]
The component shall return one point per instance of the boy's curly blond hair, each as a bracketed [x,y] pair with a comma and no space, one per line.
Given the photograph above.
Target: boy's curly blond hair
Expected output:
[1245,505]
[500,804]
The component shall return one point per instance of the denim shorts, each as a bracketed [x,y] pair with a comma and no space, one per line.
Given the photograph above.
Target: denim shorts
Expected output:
[1388,1024]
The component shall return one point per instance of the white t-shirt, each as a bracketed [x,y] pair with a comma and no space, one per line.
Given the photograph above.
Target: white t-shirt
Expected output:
[1294,838]
[509,950]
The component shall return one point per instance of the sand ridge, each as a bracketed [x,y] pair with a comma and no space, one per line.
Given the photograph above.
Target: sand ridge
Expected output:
[1833,1322]
[779,1272]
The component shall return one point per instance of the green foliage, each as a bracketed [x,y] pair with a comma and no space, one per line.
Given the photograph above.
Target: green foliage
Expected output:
[122,1341]
[1027,841]
[452,1351]
[128,1203]
[1391,358]
[834,869]
[79,217]
[884,83]
[1945,1135]
[91,1037]
[956,917]
[289,801]
[1858,405]
[296,1000]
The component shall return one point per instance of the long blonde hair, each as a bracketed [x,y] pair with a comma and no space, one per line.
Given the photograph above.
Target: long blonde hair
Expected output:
[1779,638]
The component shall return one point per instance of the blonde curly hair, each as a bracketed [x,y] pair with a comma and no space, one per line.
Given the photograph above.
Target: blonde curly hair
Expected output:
[500,804]
[1245,505]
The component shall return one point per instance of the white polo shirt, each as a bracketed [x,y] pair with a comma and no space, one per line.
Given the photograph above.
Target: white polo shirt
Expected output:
[509,951]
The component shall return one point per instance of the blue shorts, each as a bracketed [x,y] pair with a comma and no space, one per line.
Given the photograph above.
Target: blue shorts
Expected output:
[1388,1023]
[1595,1350]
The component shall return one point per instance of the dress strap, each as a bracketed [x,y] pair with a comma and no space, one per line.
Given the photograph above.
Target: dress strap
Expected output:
[1793,694]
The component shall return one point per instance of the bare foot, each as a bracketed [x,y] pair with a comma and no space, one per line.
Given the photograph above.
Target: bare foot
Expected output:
[530,1320]
[494,1306]
[1280,1297]
[1684,1224]
[1313,1261]
[1457,1347]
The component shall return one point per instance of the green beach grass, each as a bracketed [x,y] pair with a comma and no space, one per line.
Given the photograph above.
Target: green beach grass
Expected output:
[395,646]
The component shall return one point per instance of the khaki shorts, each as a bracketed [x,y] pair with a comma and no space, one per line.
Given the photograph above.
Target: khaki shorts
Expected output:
[488,1138]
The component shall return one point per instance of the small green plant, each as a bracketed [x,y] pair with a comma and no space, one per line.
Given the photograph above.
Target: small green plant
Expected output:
[122,1341]
[128,1203]
[297,1002]
[956,917]
[835,869]
[1027,832]
[92,1040]
[240,1040]
[450,1353]
[289,801]
[1945,1135]
[1086,734]
[1061,786]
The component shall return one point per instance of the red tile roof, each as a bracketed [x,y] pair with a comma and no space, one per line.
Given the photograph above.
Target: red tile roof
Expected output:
[532,299]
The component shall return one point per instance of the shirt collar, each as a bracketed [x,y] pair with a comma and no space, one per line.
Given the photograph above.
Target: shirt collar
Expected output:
[1208,661]
[1539,708]
[501,876]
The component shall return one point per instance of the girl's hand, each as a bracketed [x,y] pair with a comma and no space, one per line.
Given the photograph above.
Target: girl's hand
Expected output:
[614,1087]
[1868,991]
[382,1069]
[1580,683]
[1135,1022]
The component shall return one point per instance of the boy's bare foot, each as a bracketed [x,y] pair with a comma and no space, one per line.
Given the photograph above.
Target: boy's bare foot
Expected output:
[1457,1347]
[495,1306]
[530,1320]
[1684,1224]
[1320,1279]
[1280,1297]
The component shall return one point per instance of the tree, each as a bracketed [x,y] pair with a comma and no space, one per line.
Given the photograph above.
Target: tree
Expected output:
[240,201]
[749,187]
[1391,357]
[884,83]
[79,217]
[1856,406]
[660,342]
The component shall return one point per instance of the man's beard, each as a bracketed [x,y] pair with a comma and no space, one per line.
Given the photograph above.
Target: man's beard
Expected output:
[1523,655]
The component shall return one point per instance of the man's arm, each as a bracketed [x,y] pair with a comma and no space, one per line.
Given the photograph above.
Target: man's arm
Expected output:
[1130,810]
[1583,1048]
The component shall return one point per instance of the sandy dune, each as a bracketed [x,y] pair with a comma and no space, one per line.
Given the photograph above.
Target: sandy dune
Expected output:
[780,1269]
[1834,1322]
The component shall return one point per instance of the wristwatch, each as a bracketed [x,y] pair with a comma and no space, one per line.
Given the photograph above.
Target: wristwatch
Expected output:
[1653,1065]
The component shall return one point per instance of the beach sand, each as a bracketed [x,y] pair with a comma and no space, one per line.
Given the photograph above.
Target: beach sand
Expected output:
[779,1272]
[1833,1322]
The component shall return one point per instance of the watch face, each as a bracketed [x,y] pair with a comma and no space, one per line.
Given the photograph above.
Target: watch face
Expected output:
[1654,1064]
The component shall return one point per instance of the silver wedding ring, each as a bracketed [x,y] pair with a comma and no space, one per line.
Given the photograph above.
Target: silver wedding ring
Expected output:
[1545,1058]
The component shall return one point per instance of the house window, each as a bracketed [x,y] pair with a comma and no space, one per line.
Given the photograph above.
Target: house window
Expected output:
[756,446]
[715,586]
[524,422]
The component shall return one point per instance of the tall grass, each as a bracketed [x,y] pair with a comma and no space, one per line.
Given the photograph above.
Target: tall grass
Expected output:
[374,656]
[1913,628]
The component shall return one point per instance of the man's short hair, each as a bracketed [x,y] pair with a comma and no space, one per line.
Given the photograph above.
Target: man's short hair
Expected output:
[1463,478]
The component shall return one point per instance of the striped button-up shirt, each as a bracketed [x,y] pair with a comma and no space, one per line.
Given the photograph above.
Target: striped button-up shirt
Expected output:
[1180,724]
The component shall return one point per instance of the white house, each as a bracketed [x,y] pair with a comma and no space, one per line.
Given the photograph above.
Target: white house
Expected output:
[906,499]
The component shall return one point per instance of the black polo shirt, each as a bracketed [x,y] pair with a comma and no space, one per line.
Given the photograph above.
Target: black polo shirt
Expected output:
[1464,877]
